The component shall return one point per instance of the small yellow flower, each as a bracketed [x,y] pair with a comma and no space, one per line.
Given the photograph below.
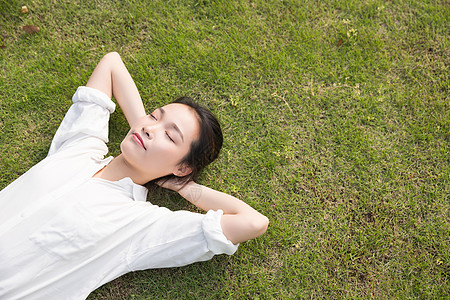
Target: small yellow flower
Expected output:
[352,32]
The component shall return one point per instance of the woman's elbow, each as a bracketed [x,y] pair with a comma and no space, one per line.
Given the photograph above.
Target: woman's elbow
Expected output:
[113,54]
[240,228]
[259,225]
[111,58]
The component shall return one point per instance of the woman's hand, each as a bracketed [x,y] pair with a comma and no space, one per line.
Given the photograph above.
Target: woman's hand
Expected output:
[171,184]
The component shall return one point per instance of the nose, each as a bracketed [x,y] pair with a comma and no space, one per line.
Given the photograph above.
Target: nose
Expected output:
[150,130]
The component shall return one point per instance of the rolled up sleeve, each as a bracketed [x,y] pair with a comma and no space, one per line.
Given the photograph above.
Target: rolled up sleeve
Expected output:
[87,117]
[217,242]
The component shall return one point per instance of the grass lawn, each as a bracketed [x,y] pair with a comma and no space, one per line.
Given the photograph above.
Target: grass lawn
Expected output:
[336,117]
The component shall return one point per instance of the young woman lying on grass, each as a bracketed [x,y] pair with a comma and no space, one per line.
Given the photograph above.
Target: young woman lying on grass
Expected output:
[77,220]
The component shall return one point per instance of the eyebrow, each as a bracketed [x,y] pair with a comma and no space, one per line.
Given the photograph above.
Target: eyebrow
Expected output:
[173,125]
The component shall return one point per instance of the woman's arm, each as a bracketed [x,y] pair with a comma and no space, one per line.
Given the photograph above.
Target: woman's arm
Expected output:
[112,78]
[240,222]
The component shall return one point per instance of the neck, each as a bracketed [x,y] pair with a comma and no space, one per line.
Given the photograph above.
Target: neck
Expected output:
[118,169]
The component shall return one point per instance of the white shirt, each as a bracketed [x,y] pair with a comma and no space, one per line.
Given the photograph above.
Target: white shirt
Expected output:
[64,234]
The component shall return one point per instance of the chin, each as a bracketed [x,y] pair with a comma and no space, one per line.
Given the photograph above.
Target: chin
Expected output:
[121,147]
[126,150]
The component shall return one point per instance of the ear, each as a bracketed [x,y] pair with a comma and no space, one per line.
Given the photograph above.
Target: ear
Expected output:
[182,170]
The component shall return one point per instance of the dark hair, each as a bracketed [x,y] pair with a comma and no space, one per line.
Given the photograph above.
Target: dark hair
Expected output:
[204,150]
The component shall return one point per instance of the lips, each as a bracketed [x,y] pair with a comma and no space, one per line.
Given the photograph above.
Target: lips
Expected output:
[139,140]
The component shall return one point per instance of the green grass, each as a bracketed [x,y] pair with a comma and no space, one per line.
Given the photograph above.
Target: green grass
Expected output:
[335,115]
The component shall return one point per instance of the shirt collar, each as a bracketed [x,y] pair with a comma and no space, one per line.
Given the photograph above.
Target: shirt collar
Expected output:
[139,192]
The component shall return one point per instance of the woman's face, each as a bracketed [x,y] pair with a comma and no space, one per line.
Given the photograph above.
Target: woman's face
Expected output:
[156,143]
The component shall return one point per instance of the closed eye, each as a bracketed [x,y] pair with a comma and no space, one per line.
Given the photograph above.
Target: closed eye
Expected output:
[170,137]
[152,116]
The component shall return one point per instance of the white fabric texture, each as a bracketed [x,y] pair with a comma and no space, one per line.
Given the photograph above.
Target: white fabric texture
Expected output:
[64,233]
